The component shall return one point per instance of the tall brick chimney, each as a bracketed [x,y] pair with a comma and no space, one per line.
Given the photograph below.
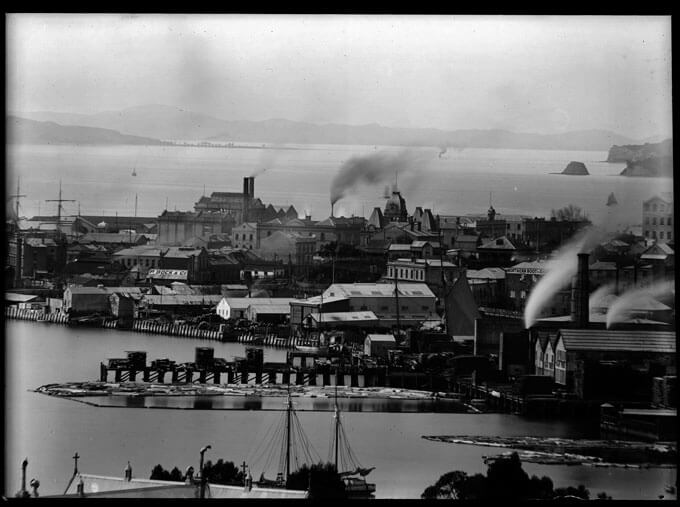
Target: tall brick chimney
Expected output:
[248,195]
[580,291]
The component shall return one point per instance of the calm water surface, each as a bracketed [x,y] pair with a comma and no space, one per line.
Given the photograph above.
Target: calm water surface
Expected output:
[100,178]
[48,430]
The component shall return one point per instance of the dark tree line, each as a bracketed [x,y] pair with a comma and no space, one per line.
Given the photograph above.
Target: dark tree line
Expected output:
[505,480]
[221,472]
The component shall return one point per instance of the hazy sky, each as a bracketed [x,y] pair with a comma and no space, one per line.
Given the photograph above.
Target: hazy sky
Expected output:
[523,73]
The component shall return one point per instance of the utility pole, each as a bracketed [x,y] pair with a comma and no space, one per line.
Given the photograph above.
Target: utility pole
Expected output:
[396,295]
[202,484]
[59,201]
[288,411]
[135,205]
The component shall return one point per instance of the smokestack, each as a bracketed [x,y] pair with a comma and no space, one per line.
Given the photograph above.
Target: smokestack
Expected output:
[580,288]
[332,206]
[248,195]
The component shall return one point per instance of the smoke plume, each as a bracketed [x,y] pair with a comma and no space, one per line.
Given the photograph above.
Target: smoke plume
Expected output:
[371,169]
[622,306]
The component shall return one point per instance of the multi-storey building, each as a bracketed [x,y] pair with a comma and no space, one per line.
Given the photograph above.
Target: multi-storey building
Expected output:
[657,218]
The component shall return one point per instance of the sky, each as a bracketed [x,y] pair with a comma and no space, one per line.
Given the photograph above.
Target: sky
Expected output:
[542,74]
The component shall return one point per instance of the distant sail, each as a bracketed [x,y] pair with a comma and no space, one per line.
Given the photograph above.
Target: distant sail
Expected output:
[611,201]
[134,172]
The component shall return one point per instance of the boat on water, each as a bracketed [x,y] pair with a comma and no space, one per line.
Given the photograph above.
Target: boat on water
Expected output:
[134,172]
[341,455]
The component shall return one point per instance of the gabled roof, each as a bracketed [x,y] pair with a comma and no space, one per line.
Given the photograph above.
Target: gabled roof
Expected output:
[378,290]
[631,341]
[385,338]
[602,266]
[486,273]
[501,243]
[421,244]
[361,316]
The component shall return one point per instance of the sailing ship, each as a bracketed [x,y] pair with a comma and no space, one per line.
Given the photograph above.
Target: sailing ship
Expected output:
[346,463]
[353,474]
[134,172]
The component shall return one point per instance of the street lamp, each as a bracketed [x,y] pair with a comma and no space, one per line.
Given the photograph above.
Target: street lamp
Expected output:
[202,487]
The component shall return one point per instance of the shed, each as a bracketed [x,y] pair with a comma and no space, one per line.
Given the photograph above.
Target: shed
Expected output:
[379,344]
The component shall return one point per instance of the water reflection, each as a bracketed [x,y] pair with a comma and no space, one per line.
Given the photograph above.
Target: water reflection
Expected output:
[279,403]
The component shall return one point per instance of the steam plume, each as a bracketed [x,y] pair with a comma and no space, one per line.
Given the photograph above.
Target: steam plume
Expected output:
[622,306]
[563,267]
[599,294]
[371,169]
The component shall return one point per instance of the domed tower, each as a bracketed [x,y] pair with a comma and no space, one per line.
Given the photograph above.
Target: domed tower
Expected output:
[395,207]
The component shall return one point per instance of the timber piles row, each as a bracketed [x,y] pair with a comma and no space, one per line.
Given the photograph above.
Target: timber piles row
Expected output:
[12,312]
[147,326]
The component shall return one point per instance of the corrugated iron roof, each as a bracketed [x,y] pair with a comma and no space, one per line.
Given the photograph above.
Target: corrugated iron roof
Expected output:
[606,339]
[344,316]
[381,338]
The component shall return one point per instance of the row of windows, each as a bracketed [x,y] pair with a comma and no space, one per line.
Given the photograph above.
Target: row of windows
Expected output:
[244,236]
[149,263]
[408,274]
[668,235]
[661,221]
[522,294]
[660,207]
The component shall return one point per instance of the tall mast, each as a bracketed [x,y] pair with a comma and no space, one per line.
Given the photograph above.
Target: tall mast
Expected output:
[135,205]
[396,296]
[288,411]
[441,267]
[337,427]
[17,196]
[59,201]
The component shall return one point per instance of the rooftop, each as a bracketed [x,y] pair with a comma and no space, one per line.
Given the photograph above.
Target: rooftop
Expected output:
[378,290]
[631,341]
[344,316]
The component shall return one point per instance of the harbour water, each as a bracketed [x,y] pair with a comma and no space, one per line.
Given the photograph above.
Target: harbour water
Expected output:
[520,181]
[49,430]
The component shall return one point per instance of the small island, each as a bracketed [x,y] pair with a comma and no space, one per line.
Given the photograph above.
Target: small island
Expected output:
[576,169]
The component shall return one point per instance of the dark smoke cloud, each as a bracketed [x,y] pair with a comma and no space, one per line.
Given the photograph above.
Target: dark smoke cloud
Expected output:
[373,168]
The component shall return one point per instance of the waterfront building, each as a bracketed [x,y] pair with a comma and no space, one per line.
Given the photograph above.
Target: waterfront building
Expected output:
[35,256]
[377,345]
[416,301]
[611,364]
[657,217]
[83,300]
[178,227]
[143,256]
[237,307]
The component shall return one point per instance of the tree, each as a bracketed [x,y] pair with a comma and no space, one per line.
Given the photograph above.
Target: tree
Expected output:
[160,474]
[505,480]
[569,213]
[223,472]
[324,483]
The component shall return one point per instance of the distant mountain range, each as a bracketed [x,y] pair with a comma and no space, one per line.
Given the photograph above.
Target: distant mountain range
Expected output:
[171,123]
[23,131]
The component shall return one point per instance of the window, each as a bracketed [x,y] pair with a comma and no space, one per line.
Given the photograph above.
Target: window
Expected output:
[391,273]
[653,207]
[251,237]
[661,235]
[654,221]
[647,220]
[662,207]
[661,221]
[654,234]
[425,308]
[646,234]
[512,293]
[269,233]
[670,235]
[523,294]
[404,308]
[236,236]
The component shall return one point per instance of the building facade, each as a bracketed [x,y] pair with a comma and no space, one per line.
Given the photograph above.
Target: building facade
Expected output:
[657,218]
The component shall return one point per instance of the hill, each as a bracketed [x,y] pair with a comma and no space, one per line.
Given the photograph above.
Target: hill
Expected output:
[172,123]
[23,131]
